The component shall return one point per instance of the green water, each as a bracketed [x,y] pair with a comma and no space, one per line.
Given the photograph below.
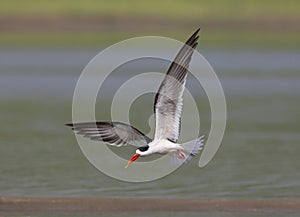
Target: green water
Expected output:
[259,156]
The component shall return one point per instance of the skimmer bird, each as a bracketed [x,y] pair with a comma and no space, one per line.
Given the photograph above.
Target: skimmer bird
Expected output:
[167,107]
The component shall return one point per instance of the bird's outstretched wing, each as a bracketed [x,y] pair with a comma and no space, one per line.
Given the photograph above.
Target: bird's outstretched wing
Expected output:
[113,133]
[168,99]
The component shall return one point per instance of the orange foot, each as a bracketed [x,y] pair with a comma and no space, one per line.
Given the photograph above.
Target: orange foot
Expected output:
[180,155]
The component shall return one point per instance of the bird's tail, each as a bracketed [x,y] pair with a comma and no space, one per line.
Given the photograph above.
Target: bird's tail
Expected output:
[191,149]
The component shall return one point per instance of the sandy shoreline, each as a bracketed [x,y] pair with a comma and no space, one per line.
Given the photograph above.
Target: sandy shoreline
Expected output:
[24,204]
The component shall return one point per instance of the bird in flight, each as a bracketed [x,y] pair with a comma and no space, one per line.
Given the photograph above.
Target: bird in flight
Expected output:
[167,107]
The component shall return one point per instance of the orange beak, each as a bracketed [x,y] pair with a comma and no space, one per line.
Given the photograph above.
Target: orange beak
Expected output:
[133,158]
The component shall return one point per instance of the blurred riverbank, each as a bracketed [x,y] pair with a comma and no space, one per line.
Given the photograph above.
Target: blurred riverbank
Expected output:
[270,24]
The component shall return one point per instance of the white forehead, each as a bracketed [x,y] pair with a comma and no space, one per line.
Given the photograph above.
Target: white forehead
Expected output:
[138,151]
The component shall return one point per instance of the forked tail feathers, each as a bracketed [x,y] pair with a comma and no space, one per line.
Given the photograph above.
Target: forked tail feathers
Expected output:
[191,149]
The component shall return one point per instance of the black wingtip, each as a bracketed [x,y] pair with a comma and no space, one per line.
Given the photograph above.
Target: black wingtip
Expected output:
[69,124]
[196,33]
[194,38]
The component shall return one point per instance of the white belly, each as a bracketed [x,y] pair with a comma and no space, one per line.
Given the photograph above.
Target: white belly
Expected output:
[164,146]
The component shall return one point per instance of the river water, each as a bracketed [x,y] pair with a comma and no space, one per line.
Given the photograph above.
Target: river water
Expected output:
[258,158]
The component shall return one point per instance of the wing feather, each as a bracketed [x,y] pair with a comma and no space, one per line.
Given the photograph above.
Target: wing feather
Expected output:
[168,100]
[113,133]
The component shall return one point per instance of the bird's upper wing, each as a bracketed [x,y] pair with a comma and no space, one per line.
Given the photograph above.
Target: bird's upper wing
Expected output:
[168,99]
[113,133]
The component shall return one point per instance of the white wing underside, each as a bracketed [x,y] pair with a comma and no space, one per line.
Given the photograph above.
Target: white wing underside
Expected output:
[168,110]
[169,98]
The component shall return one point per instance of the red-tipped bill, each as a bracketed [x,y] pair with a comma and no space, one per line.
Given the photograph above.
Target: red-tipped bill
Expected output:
[133,158]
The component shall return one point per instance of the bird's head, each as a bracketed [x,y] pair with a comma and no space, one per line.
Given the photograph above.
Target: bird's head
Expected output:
[139,152]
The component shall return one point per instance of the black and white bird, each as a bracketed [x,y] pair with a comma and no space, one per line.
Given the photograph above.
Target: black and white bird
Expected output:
[167,107]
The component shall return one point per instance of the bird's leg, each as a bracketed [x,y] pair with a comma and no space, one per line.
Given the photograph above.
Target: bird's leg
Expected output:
[180,155]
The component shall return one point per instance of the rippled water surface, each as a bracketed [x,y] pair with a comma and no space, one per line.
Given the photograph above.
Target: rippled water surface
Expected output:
[259,156]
